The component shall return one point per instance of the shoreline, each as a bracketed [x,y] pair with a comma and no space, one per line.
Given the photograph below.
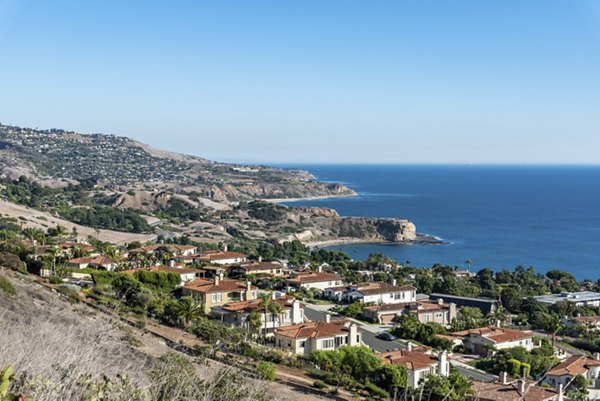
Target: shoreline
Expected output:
[309,198]
[421,240]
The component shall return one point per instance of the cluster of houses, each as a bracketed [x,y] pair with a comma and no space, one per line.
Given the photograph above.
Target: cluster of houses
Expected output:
[227,285]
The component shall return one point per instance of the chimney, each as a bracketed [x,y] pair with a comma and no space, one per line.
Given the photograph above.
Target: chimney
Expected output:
[409,346]
[596,356]
[320,268]
[327,318]
[522,386]
[503,377]
[394,281]
[353,340]
[221,275]
[273,295]
[217,280]
[443,367]
[440,301]
[498,323]
[249,290]
[225,247]
[171,263]
[296,312]
[561,391]
[259,259]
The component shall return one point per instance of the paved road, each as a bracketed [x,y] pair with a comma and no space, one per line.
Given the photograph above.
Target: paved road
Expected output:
[472,373]
[368,337]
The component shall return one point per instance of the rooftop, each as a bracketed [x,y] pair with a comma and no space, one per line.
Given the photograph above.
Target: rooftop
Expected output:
[312,277]
[412,360]
[497,391]
[572,366]
[581,296]
[316,329]
[207,286]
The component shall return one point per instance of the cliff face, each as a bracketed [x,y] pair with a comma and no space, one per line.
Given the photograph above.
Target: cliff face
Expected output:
[396,230]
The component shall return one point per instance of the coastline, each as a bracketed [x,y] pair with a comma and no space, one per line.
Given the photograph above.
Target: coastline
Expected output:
[309,198]
[421,240]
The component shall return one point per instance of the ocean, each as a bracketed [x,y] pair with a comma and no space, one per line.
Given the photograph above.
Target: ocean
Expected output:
[495,216]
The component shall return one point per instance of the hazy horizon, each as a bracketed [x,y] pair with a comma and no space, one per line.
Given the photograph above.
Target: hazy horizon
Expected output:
[493,83]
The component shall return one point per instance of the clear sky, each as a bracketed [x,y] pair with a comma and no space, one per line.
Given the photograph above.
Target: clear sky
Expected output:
[313,80]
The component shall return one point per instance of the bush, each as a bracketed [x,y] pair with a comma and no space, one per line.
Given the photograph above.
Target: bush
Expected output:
[376,390]
[266,371]
[319,384]
[54,280]
[7,287]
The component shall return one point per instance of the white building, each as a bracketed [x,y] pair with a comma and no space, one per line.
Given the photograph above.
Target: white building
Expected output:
[418,363]
[304,339]
[380,293]
[564,372]
[581,298]
[482,340]
[310,279]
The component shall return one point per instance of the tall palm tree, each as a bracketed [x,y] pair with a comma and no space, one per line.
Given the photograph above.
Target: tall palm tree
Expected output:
[188,311]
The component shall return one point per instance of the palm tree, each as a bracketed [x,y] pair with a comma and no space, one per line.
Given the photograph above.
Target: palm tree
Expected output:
[555,324]
[265,302]
[188,310]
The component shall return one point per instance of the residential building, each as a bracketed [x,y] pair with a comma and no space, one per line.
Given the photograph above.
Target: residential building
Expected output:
[516,390]
[223,257]
[257,268]
[304,339]
[564,372]
[186,275]
[419,363]
[425,311]
[592,322]
[487,306]
[166,249]
[484,340]
[380,293]
[219,292]
[581,298]
[310,279]
[237,314]
[97,262]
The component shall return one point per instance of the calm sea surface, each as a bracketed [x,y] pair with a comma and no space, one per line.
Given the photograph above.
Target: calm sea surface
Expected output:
[498,217]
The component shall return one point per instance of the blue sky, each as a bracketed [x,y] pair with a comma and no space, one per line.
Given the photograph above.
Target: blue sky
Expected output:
[313,81]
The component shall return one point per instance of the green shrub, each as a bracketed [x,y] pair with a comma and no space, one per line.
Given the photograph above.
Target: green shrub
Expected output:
[266,371]
[319,384]
[7,287]
[54,280]
[376,390]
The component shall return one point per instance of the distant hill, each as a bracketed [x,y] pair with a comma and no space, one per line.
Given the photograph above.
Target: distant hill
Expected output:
[121,185]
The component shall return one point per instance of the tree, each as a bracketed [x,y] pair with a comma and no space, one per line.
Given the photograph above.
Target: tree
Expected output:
[266,371]
[188,311]
[391,377]
[580,387]
[469,317]
[355,309]
[455,387]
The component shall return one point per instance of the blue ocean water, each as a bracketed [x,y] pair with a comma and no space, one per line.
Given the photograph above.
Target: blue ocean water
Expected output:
[496,216]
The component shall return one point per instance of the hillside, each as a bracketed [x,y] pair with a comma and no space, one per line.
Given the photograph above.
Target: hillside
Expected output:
[64,353]
[116,184]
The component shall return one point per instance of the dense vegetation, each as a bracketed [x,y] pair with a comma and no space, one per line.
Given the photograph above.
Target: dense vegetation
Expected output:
[107,217]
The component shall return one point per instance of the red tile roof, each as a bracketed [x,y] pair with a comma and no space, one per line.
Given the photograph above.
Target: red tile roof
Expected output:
[312,277]
[412,360]
[499,334]
[318,329]
[496,391]
[573,366]
[207,286]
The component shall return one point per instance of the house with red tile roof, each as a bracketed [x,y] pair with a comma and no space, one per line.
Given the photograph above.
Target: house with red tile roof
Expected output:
[419,363]
[515,390]
[223,257]
[219,291]
[311,279]
[304,339]
[425,311]
[97,262]
[566,371]
[484,339]
[238,314]
[378,292]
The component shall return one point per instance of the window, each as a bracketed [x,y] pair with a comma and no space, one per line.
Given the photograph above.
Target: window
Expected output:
[302,344]
[328,343]
[217,297]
